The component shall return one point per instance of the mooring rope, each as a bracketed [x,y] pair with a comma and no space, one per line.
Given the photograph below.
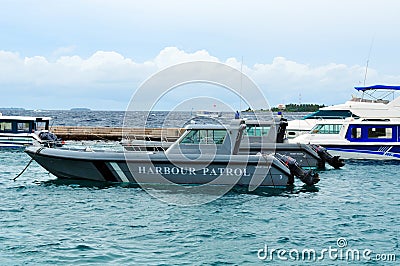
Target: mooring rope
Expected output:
[26,167]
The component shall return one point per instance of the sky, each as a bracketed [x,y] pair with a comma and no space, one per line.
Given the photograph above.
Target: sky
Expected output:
[97,53]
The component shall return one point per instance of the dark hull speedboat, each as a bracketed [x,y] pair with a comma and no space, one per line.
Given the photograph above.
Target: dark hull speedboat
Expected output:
[140,167]
[258,140]
[202,155]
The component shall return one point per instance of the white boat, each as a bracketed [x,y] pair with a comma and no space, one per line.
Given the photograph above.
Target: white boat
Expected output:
[370,104]
[211,114]
[22,131]
[376,137]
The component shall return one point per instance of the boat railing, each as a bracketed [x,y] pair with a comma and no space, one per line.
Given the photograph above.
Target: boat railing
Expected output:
[359,99]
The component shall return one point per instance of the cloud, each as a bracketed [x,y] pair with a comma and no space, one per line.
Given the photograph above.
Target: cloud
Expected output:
[172,55]
[109,76]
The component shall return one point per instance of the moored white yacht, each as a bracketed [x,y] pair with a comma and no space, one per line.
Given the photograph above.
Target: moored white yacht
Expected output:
[374,137]
[210,114]
[370,104]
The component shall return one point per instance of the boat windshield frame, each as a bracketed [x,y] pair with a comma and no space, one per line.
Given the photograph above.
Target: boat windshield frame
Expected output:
[204,136]
[327,128]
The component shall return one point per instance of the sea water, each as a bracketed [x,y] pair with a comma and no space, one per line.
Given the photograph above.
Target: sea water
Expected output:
[353,210]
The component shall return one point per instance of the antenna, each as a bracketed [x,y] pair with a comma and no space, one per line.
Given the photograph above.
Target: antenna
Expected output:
[299,102]
[241,84]
[369,54]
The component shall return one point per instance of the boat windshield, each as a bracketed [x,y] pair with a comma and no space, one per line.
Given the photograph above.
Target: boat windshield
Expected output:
[257,131]
[205,136]
[326,129]
[331,114]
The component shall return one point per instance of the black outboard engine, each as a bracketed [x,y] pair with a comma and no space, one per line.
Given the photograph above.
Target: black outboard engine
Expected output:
[281,130]
[333,161]
[50,140]
[307,177]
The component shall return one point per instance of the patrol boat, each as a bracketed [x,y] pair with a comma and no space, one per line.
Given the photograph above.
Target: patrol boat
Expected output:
[202,155]
[258,137]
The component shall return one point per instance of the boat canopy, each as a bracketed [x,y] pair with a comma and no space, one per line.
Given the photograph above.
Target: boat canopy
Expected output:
[378,87]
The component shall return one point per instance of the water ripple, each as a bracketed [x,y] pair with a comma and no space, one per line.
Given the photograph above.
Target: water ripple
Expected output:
[46,222]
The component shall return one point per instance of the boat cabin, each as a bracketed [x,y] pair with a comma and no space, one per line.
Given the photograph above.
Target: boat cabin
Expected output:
[23,124]
[361,130]
[221,139]
[373,133]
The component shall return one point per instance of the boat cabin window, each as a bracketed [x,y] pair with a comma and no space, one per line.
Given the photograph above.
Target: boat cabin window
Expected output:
[5,126]
[326,129]
[356,133]
[41,125]
[205,136]
[23,127]
[257,131]
[379,133]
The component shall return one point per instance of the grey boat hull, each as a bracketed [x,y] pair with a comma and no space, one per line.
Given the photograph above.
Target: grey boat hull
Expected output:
[150,168]
[305,156]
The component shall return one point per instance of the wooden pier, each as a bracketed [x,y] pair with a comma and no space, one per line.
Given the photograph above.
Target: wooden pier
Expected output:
[115,133]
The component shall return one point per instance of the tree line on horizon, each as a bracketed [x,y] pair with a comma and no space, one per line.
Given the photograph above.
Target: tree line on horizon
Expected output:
[294,107]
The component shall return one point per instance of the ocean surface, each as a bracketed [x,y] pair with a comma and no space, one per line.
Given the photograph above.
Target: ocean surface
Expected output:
[354,210]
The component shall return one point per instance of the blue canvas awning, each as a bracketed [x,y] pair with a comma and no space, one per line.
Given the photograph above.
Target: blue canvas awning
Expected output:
[378,87]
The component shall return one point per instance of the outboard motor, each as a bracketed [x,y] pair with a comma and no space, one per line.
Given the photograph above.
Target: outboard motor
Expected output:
[280,136]
[50,140]
[307,177]
[333,161]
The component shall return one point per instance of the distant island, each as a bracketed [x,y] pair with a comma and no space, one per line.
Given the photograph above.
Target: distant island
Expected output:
[80,109]
[11,109]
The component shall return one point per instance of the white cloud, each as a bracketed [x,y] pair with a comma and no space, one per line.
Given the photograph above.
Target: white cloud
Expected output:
[172,55]
[109,76]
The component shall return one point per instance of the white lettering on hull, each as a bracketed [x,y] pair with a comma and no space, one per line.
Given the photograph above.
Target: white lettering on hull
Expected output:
[166,170]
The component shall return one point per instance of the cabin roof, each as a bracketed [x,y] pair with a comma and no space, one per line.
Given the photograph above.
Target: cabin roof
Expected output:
[200,126]
[24,118]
